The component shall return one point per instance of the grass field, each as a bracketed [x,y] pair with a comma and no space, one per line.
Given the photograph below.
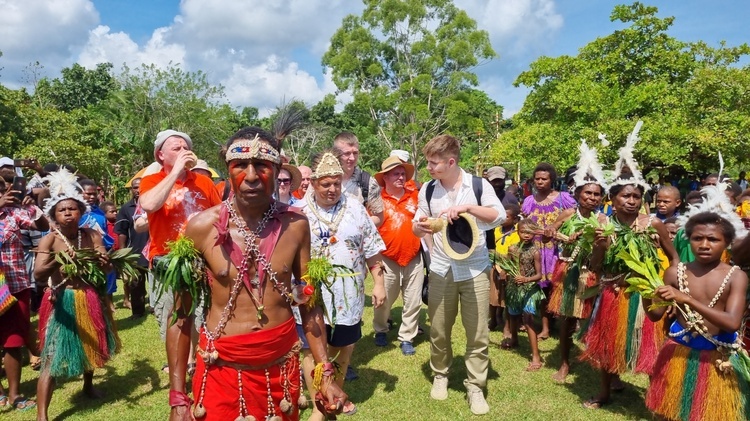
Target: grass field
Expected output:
[390,387]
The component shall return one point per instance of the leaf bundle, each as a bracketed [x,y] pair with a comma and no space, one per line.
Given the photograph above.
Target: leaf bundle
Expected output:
[509,263]
[182,271]
[644,278]
[321,273]
[125,264]
[83,264]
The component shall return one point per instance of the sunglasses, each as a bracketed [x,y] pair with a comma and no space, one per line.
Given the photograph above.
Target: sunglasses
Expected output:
[284,180]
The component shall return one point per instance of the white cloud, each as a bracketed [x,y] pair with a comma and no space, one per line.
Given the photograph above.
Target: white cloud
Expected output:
[272,82]
[42,30]
[119,48]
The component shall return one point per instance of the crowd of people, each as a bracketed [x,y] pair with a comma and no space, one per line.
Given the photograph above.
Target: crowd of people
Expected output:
[271,299]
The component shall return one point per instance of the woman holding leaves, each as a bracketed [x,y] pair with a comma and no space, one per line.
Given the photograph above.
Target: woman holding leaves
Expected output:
[620,337]
[576,267]
[76,328]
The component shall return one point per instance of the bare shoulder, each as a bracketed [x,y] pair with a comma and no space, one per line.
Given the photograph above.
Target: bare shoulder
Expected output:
[670,275]
[739,278]
[200,223]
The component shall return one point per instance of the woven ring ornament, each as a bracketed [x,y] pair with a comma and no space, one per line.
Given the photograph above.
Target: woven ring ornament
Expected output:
[253,149]
[461,237]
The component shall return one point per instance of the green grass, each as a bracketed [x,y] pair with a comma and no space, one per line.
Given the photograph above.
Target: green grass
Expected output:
[390,387]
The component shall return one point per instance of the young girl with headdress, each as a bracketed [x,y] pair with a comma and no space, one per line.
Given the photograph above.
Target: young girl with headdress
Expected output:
[574,271]
[523,293]
[620,337]
[702,373]
[76,329]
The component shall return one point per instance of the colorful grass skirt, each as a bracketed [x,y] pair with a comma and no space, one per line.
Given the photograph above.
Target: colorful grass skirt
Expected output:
[620,338]
[523,298]
[76,332]
[687,384]
[569,283]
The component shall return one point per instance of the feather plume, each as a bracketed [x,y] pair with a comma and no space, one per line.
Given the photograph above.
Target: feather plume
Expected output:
[288,119]
[62,185]
[603,139]
[588,167]
[627,160]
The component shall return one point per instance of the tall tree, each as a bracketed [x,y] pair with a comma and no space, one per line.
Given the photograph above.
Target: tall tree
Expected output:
[639,72]
[405,61]
[78,87]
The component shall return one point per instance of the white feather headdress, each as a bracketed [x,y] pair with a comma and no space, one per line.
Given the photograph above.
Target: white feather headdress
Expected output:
[63,185]
[715,200]
[588,170]
[627,160]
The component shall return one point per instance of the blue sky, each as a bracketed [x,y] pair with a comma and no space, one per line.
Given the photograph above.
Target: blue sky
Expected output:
[265,51]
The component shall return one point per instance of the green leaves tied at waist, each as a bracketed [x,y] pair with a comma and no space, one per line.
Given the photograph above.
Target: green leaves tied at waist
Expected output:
[182,271]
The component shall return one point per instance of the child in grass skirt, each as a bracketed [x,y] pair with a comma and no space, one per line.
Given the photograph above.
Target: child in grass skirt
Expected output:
[701,372]
[76,328]
[522,292]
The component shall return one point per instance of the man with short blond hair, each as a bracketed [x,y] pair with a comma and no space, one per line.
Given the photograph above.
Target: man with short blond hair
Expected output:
[453,282]
[358,184]
[401,257]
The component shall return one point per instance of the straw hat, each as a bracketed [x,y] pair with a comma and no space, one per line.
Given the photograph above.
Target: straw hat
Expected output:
[461,237]
[296,176]
[390,163]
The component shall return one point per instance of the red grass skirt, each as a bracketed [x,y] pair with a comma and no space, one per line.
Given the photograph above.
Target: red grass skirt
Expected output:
[620,337]
[687,385]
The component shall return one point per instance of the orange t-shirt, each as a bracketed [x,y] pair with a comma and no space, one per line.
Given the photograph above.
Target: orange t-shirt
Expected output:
[401,245]
[187,198]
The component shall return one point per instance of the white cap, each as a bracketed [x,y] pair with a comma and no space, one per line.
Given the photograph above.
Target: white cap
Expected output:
[166,134]
[401,154]
[6,162]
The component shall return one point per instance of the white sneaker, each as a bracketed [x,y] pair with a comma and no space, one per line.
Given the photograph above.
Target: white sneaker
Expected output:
[477,403]
[439,390]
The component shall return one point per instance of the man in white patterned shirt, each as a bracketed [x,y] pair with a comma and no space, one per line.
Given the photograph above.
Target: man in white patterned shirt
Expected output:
[451,281]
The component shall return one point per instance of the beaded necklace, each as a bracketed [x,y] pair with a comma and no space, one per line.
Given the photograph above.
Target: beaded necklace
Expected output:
[329,236]
[210,355]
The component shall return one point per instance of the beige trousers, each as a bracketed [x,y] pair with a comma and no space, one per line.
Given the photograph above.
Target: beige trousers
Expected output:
[407,281]
[443,303]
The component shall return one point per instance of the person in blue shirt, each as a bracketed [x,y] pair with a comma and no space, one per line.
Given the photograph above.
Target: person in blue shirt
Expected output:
[95,219]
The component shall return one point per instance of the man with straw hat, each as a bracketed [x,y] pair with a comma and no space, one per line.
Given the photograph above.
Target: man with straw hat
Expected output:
[464,278]
[404,273]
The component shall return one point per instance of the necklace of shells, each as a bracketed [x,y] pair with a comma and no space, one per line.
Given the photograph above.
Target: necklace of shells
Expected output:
[329,237]
[695,322]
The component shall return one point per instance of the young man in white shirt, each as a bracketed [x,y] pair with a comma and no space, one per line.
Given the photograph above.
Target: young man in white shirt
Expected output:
[453,281]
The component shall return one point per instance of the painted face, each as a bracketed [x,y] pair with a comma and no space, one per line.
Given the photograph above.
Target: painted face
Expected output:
[91,195]
[349,156]
[170,149]
[438,166]
[306,173]
[327,190]
[542,181]
[67,213]
[284,181]
[628,201]
[252,178]
[395,178]
[590,196]
[708,243]
[666,202]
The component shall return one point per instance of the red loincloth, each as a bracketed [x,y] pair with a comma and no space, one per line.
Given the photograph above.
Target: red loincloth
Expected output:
[257,349]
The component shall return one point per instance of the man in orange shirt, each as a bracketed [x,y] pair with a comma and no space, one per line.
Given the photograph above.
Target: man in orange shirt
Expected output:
[404,272]
[170,197]
[306,174]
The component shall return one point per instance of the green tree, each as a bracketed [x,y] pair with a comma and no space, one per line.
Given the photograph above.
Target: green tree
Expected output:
[78,87]
[406,62]
[639,72]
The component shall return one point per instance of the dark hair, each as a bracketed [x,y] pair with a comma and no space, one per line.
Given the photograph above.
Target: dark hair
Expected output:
[87,182]
[81,207]
[672,220]
[711,218]
[693,195]
[51,167]
[549,169]
[512,207]
[106,204]
[735,189]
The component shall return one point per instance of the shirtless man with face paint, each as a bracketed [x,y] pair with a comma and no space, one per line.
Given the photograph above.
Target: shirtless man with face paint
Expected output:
[252,245]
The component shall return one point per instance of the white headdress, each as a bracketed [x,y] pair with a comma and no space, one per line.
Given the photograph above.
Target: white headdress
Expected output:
[627,160]
[715,200]
[588,170]
[63,185]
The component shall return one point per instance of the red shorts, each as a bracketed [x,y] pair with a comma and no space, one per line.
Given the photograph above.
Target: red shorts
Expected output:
[16,322]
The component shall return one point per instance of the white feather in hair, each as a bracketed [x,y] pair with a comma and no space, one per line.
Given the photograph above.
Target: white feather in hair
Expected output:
[62,185]
[715,200]
[588,168]
[627,160]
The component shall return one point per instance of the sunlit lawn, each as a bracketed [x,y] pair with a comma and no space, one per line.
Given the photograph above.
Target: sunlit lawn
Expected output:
[390,387]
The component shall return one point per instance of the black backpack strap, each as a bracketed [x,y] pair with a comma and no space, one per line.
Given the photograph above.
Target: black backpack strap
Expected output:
[363,179]
[428,194]
[476,184]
